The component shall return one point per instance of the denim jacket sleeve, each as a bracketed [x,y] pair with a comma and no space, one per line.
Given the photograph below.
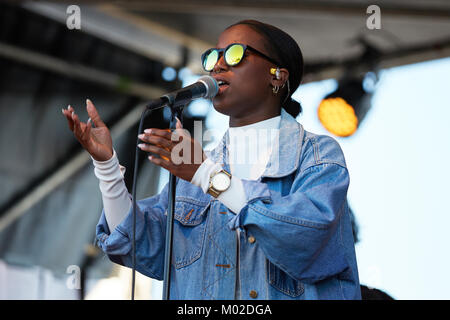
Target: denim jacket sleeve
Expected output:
[150,236]
[298,231]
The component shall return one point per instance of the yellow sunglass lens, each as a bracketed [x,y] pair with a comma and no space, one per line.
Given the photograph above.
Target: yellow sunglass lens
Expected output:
[234,55]
[211,60]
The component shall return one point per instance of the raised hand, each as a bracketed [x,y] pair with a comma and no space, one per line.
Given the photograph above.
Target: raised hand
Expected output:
[96,140]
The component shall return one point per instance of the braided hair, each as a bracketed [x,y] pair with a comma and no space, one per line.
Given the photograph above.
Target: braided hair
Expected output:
[284,49]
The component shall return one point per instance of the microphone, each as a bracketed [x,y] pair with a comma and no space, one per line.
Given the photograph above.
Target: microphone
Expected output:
[205,87]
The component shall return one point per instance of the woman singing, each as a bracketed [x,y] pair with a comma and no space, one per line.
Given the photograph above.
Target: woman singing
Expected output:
[275,227]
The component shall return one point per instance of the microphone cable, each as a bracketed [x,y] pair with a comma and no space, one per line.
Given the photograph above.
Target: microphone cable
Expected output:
[173,99]
[133,241]
[155,104]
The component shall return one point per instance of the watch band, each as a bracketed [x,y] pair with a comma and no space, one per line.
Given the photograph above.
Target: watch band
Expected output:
[213,192]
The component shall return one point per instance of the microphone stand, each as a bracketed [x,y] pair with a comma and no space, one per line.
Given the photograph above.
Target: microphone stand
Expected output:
[176,101]
[176,112]
[176,109]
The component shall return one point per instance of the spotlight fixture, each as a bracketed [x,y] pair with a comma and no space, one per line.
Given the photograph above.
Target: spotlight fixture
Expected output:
[342,111]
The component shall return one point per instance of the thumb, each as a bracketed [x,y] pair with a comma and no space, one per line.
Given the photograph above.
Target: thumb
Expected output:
[93,114]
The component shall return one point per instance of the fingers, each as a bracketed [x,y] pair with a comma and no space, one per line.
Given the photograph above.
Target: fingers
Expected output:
[73,121]
[183,171]
[164,137]
[93,114]
[87,131]
[68,114]
[164,133]
[81,130]
[162,152]
[161,162]
[171,151]
[160,145]
[76,125]
[156,140]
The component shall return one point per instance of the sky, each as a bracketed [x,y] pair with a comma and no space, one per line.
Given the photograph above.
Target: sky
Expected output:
[398,161]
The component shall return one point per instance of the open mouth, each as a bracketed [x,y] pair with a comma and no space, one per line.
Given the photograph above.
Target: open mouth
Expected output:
[223,85]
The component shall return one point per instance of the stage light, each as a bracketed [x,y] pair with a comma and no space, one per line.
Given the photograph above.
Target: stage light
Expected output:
[169,74]
[342,111]
[338,117]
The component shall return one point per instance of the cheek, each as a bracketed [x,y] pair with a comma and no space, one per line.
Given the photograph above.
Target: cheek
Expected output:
[252,83]
[249,86]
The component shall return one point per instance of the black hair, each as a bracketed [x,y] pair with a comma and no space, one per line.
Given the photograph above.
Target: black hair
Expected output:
[284,49]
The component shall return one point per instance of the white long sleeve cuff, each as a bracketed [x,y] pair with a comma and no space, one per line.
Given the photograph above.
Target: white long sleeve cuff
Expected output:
[233,198]
[115,196]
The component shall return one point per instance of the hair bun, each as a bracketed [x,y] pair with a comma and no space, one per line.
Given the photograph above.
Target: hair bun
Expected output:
[292,107]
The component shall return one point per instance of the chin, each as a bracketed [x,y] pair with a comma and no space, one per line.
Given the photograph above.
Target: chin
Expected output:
[223,111]
[222,108]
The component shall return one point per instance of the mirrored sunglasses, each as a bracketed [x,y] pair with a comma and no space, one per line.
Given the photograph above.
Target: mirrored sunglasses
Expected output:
[233,55]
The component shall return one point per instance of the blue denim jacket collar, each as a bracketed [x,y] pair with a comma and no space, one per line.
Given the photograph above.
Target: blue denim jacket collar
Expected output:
[285,157]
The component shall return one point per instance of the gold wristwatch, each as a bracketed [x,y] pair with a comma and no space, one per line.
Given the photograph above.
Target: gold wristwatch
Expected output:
[219,182]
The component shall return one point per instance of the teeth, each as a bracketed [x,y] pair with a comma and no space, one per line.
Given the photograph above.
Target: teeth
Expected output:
[220,82]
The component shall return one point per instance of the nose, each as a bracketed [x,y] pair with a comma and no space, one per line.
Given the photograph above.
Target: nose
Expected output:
[220,65]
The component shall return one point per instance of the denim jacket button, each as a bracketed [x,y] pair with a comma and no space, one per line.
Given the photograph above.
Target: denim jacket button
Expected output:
[251,239]
[253,294]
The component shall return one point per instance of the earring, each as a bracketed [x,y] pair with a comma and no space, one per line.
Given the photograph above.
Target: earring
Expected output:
[275,72]
[275,89]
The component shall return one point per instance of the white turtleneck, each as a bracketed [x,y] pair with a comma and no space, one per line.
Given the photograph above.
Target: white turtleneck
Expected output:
[249,150]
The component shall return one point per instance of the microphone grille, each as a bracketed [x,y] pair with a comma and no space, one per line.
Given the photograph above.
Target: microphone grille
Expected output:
[212,88]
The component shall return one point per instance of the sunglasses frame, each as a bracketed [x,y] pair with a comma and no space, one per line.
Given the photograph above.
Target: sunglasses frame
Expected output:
[224,50]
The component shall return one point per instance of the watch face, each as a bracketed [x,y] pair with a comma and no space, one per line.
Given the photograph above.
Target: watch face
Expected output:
[221,181]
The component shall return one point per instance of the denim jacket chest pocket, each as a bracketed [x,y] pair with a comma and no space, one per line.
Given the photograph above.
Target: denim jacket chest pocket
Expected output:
[189,230]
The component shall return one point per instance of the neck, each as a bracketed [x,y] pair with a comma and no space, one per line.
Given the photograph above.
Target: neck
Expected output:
[245,120]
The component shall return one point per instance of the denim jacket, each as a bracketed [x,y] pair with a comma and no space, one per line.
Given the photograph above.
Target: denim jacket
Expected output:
[295,234]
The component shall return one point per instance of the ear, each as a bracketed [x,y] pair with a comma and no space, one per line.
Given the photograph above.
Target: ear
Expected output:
[282,78]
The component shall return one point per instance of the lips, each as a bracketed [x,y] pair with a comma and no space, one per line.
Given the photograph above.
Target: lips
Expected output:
[222,89]
[222,83]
